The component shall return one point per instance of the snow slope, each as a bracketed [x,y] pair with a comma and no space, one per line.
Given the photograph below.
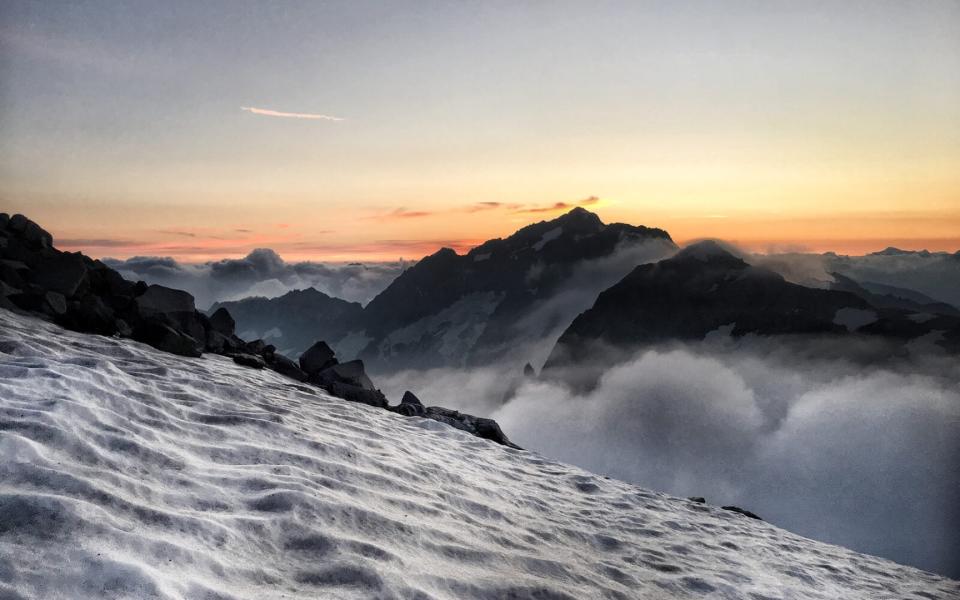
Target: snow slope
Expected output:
[130,473]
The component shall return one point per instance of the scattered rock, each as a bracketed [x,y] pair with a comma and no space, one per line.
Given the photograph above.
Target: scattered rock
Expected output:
[697,499]
[91,315]
[33,235]
[283,365]
[158,299]
[88,296]
[352,373]
[317,357]
[64,273]
[742,511]
[255,347]
[162,336]
[249,360]
[222,322]
[410,406]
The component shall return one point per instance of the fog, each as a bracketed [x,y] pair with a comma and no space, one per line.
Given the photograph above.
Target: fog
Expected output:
[862,453]
[261,273]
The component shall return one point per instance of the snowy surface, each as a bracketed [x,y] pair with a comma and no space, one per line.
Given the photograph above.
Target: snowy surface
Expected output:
[129,473]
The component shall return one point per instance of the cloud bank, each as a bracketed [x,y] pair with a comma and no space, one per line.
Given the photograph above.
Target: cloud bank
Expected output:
[261,273]
[867,457]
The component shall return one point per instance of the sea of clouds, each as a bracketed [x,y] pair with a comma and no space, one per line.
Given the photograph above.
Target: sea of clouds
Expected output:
[863,453]
[261,273]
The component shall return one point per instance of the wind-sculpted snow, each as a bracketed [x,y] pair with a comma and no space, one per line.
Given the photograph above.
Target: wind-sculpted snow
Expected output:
[130,473]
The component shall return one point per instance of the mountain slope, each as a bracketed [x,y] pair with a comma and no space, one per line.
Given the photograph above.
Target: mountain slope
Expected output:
[294,321]
[502,296]
[131,473]
[705,288]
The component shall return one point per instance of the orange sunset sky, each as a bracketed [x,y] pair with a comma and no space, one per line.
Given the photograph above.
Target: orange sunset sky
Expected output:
[354,131]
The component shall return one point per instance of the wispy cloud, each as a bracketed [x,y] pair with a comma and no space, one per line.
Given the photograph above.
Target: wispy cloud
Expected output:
[558,206]
[402,213]
[482,206]
[289,115]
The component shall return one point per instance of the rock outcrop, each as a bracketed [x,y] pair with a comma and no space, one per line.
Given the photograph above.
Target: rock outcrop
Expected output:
[85,295]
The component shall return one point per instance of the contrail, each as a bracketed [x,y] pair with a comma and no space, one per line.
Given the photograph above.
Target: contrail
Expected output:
[289,115]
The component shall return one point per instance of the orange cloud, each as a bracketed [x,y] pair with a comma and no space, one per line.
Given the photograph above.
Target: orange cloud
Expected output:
[558,206]
[402,213]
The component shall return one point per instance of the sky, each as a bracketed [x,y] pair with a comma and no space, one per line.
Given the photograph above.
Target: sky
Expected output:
[381,130]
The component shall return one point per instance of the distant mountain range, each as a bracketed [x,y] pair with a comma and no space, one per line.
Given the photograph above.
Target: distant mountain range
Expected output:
[705,288]
[580,281]
[500,300]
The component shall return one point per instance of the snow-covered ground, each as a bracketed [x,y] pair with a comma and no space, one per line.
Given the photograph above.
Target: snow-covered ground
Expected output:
[131,473]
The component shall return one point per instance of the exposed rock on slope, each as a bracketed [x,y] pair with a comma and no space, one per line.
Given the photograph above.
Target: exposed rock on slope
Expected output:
[704,288]
[131,473]
[87,296]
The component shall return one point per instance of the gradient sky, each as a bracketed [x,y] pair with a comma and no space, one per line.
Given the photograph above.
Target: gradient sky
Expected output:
[776,125]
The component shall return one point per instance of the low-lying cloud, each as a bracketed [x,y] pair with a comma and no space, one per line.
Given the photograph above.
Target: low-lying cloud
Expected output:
[261,273]
[867,457]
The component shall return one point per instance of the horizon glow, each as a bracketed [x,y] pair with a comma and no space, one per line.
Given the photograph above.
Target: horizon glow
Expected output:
[814,126]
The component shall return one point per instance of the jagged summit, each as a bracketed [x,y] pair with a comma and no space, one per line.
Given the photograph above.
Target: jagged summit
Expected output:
[452,309]
[709,250]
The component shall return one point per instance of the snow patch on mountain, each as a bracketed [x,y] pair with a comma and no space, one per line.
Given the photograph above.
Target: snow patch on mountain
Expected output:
[450,333]
[548,237]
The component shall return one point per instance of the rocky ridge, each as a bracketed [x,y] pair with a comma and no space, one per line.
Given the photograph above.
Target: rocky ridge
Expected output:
[85,295]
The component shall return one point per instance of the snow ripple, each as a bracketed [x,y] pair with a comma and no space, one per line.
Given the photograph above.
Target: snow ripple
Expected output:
[129,473]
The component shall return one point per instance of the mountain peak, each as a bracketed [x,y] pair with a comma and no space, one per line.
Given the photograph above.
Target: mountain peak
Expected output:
[579,217]
[707,251]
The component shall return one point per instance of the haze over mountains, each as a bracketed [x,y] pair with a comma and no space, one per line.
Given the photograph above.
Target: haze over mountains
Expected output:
[511,299]
[508,297]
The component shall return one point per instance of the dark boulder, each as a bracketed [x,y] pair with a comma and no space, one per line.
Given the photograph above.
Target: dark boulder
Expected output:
[218,343]
[484,428]
[283,365]
[317,358]
[354,393]
[222,322]
[13,272]
[159,334]
[249,360]
[741,511]
[33,235]
[528,371]
[90,315]
[351,372]
[697,499]
[106,282]
[489,429]
[34,299]
[410,406]
[254,346]
[7,290]
[161,300]
[64,273]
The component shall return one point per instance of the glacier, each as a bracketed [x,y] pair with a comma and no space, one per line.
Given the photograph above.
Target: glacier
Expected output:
[131,473]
